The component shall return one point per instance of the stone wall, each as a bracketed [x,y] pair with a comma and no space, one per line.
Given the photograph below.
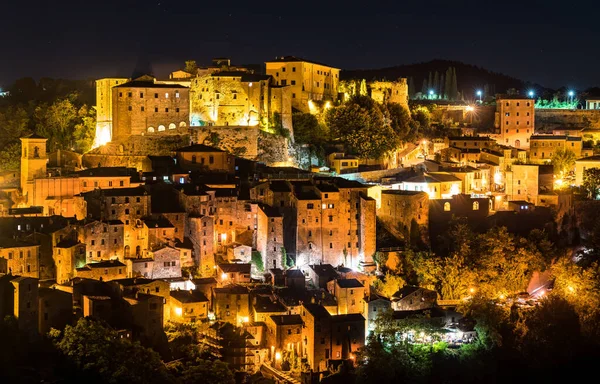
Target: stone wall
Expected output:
[134,151]
[247,142]
[548,119]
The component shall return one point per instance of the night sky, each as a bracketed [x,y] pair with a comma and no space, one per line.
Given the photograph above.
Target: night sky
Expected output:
[552,43]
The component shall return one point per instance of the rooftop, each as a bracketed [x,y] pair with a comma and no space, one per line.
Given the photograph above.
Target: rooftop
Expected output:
[148,84]
[349,283]
[160,222]
[589,159]
[235,268]
[67,243]
[266,304]
[294,273]
[190,296]
[107,172]
[136,191]
[104,264]
[294,59]
[231,289]
[347,318]
[287,319]
[318,311]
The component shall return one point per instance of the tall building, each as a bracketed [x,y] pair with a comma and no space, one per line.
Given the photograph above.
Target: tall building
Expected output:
[514,118]
[144,106]
[543,147]
[104,108]
[33,163]
[308,81]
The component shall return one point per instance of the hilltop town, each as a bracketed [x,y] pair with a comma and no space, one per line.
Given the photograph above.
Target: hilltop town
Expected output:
[284,213]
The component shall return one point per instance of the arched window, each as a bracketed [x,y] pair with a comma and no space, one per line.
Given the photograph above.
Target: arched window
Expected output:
[172,126]
[447,206]
[126,251]
[150,129]
[517,143]
[476,205]
[161,128]
[182,124]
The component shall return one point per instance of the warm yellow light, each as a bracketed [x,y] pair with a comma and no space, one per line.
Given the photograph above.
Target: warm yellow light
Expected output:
[223,237]
[498,178]
[245,319]
[328,105]
[542,292]
[102,136]
[312,108]
[558,182]
[277,355]
[470,109]
[454,189]
[501,297]
[223,276]
[471,290]
[178,311]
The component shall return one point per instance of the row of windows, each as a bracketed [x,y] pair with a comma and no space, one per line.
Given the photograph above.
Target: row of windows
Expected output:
[10,255]
[518,104]
[528,122]
[559,144]
[110,183]
[130,108]
[130,94]
[447,206]
[162,128]
[507,114]
[323,206]
[114,201]
[310,246]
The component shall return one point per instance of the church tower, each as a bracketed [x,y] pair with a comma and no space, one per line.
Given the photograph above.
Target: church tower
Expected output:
[33,163]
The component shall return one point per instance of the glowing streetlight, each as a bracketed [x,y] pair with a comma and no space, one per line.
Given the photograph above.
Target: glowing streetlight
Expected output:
[571,93]
[479,93]
[278,355]
[431,94]
[470,108]
[178,311]
[531,94]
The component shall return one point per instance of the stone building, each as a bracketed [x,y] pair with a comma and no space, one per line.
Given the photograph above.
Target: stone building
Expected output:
[33,163]
[232,273]
[405,213]
[515,118]
[21,257]
[284,332]
[374,306]
[20,299]
[527,181]
[231,303]
[390,91]
[188,306]
[321,274]
[69,254]
[167,263]
[144,106]
[103,270]
[239,98]
[411,298]
[264,307]
[104,111]
[200,157]
[543,147]
[581,165]
[328,221]
[349,294]
[326,337]
[55,308]
[104,240]
[438,185]
[308,81]
[269,235]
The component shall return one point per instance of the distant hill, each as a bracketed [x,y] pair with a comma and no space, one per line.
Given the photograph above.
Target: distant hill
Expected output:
[469,77]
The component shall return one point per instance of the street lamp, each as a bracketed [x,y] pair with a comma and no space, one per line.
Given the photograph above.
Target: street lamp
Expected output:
[431,94]
[479,93]
[531,94]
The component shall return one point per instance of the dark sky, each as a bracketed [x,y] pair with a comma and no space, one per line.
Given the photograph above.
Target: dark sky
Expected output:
[553,43]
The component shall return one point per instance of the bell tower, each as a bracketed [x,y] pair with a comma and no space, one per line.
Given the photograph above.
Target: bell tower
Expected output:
[33,163]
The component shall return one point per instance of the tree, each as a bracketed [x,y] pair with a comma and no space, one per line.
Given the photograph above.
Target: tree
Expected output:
[389,285]
[307,129]
[400,120]
[361,126]
[257,261]
[209,372]
[591,182]
[563,161]
[10,157]
[85,130]
[191,66]
[99,352]
[57,122]
[14,123]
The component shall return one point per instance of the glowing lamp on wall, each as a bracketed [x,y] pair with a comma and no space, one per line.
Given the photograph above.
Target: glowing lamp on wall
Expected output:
[223,276]
[178,311]
[454,189]
[223,237]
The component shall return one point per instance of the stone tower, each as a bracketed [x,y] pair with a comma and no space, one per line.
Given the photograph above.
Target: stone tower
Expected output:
[33,162]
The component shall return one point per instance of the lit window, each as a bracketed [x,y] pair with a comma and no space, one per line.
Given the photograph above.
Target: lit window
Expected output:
[166,95]
[447,207]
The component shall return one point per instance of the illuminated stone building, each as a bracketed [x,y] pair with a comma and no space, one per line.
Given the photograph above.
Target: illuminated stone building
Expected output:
[20,257]
[231,303]
[515,118]
[144,106]
[527,181]
[188,306]
[390,91]
[308,81]
[104,239]
[103,270]
[239,98]
[543,147]
[329,221]
[104,105]
[349,294]
[33,163]
[68,255]
[438,185]
[284,332]
[581,165]
[405,213]
[204,158]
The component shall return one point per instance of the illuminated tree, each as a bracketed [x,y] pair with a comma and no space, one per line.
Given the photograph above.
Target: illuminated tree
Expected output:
[191,66]
[563,161]
[14,123]
[10,157]
[389,285]
[591,182]
[257,261]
